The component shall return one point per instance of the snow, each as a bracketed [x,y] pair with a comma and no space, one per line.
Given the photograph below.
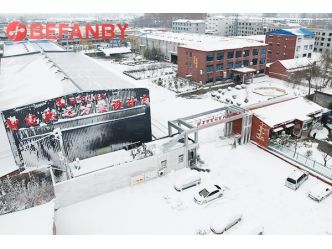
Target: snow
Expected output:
[245,70]
[19,48]
[297,63]
[116,50]
[29,79]
[321,134]
[154,206]
[37,220]
[283,112]
[203,42]
[86,73]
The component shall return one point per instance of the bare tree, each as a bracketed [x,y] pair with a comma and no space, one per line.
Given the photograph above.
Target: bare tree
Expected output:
[306,74]
[326,158]
[326,69]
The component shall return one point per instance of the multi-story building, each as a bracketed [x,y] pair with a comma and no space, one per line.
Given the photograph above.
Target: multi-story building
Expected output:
[323,38]
[215,61]
[289,43]
[168,42]
[188,26]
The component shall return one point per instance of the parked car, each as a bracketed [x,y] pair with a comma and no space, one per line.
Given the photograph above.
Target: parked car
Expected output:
[320,192]
[220,226]
[188,180]
[295,180]
[208,194]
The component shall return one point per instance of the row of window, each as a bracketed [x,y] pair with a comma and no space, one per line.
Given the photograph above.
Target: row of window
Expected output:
[322,39]
[323,33]
[237,64]
[322,44]
[230,55]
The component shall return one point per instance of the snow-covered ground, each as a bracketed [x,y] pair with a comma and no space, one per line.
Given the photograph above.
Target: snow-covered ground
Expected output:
[37,220]
[255,187]
[262,89]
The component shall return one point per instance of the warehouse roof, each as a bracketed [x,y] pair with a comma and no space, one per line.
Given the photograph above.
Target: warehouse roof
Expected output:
[86,73]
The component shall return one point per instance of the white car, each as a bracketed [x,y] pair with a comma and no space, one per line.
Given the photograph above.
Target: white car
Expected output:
[320,192]
[208,194]
[187,180]
[223,224]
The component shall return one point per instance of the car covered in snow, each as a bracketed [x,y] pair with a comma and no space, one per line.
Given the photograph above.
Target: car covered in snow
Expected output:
[224,223]
[320,192]
[209,194]
[295,180]
[187,180]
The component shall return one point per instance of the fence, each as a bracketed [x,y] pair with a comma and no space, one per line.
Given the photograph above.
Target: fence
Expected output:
[301,159]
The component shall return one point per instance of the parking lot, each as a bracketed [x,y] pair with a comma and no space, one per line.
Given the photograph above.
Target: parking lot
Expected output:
[254,182]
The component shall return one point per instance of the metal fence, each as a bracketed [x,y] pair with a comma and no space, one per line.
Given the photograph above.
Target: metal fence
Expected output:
[301,159]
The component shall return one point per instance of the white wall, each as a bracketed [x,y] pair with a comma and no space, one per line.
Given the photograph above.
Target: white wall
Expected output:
[106,180]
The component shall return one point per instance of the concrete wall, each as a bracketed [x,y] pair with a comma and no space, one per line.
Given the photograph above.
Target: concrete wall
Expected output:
[323,99]
[103,181]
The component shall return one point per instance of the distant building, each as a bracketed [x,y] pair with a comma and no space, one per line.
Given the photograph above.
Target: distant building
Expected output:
[188,26]
[323,38]
[289,43]
[218,60]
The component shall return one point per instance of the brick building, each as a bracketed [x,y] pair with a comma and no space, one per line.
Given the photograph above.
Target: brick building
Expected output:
[281,69]
[216,61]
[289,44]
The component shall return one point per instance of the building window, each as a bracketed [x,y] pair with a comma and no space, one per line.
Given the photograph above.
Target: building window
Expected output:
[209,68]
[209,57]
[245,63]
[255,52]
[304,55]
[254,61]
[220,56]
[310,47]
[262,61]
[180,159]
[230,55]
[309,55]
[209,80]
[230,65]
[246,53]
[238,54]
[328,44]
[238,64]
[188,64]
[220,67]
[299,39]
[219,78]
[263,51]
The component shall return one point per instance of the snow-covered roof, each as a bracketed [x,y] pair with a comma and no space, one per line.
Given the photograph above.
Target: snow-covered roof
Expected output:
[29,47]
[204,42]
[299,62]
[87,73]
[116,50]
[287,111]
[37,220]
[189,21]
[244,70]
[29,79]
[226,44]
